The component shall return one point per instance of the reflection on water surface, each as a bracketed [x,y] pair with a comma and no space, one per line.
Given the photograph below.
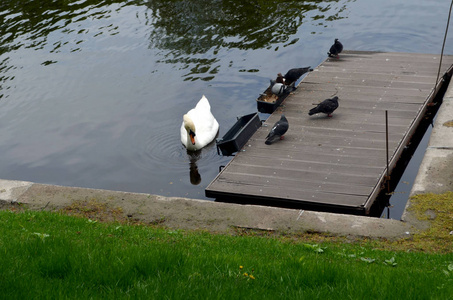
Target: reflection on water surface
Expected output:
[193,32]
[190,33]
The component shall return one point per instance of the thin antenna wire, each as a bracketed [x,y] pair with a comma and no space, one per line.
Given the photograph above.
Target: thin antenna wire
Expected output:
[443,45]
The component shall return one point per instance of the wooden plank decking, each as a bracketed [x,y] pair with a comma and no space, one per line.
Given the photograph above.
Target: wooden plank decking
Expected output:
[338,163]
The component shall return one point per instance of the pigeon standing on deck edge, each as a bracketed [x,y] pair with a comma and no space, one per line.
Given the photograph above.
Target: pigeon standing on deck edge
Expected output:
[294,74]
[277,131]
[335,49]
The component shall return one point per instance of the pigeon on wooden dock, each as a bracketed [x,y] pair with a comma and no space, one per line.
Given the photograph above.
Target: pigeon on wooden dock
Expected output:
[294,74]
[327,107]
[280,88]
[277,131]
[335,49]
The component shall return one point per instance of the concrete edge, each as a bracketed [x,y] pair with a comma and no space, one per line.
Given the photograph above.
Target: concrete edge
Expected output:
[11,190]
[435,174]
[212,216]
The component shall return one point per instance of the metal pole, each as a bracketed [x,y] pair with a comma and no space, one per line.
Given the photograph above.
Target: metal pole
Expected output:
[387,156]
[387,149]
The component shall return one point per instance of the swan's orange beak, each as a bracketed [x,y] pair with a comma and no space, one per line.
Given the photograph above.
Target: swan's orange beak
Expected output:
[192,137]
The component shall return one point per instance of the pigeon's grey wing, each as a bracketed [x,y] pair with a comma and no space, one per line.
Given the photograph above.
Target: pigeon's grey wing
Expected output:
[276,132]
[270,134]
[273,130]
[283,128]
[271,137]
[284,124]
[279,129]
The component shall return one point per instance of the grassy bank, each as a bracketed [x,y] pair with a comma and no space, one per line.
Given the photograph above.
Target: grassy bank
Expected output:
[49,255]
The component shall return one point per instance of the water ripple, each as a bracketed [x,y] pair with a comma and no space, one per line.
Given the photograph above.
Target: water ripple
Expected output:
[163,151]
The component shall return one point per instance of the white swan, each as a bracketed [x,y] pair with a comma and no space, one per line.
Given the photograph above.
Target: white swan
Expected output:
[199,127]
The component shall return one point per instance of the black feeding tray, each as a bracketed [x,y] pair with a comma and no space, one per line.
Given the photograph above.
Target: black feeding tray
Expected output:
[239,134]
[267,102]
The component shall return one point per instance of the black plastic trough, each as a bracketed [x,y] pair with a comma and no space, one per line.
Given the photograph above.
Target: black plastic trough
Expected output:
[267,102]
[239,134]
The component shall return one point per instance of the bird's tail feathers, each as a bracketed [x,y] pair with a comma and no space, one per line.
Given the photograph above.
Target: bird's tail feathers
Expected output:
[313,111]
[270,140]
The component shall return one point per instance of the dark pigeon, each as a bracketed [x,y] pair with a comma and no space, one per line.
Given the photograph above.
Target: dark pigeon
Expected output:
[327,107]
[277,131]
[292,75]
[280,88]
[335,49]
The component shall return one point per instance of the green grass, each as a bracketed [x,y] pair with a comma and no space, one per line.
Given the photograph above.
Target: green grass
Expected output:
[54,256]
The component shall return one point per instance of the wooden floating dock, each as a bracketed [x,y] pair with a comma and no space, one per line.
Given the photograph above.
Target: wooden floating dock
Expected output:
[336,164]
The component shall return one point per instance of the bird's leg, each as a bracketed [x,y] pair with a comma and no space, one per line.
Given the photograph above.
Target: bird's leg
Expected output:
[282,137]
[329,115]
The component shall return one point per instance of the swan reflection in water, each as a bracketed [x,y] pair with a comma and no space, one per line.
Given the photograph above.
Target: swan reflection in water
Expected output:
[195,177]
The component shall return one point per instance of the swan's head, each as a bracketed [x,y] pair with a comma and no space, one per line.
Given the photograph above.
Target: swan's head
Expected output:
[190,127]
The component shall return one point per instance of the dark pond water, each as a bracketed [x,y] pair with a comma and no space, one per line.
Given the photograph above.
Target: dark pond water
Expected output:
[92,92]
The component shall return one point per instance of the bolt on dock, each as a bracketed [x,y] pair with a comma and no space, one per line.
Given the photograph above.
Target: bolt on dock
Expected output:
[338,164]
